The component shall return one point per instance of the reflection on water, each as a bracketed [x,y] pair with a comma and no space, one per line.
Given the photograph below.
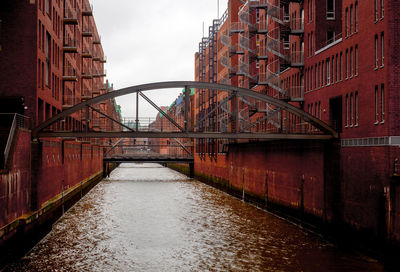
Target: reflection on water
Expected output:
[149,218]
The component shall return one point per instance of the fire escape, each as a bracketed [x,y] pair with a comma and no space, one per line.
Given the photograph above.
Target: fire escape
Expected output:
[281,27]
[208,60]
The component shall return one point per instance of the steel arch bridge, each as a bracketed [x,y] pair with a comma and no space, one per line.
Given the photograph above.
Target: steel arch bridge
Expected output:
[241,110]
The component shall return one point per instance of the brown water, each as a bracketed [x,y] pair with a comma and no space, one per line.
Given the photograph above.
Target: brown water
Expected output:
[150,218]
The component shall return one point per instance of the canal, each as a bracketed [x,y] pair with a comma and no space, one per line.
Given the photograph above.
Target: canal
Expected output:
[145,217]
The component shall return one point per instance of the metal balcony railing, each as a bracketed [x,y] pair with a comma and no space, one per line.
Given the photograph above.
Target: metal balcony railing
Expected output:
[262,52]
[297,26]
[69,73]
[86,72]
[87,30]
[86,51]
[70,100]
[245,44]
[258,3]
[86,93]
[87,9]
[236,27]
[297,58]
[70,45]
[70,16]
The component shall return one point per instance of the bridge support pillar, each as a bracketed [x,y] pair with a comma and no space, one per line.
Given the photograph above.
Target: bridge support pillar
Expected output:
[191,170]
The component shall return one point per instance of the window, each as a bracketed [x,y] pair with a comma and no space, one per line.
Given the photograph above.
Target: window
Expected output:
[351,20]
[48,54]
[382,103]
[347,22]
[347,110]
[347,64]
[311,9]
[376,51]
[333,69]
[382,50]
[356,60]
[336,68]
[356,17]
[351,61]
[341,66]
[376,105]
[311,79]
[330,9]
[382,8]
[328,73]
[356,109]
[376,10]
[351,110]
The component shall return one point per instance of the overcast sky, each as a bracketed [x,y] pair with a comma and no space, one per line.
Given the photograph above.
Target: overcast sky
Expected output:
[150,41]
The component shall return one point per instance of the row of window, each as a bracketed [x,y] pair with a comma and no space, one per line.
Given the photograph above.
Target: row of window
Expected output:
[55,86]
[351,19]
[351,110]
[330,70]
[379,53]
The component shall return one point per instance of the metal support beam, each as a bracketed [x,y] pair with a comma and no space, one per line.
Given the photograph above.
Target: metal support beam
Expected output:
[114,146]
[195,135]
[187,104]
[161,111]
[108,117]
[137,111]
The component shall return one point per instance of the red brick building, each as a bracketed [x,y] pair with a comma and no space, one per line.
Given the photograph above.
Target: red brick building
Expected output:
[337,60]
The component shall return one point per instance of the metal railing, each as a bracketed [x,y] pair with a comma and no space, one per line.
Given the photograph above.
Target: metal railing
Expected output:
[18,121]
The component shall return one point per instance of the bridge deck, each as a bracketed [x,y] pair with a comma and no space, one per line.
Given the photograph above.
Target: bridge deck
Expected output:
[148,158]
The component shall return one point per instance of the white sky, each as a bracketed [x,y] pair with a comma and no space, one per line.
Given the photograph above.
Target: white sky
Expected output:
[150,41]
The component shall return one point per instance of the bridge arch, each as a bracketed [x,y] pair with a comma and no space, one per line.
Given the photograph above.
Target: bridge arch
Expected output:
[317,123]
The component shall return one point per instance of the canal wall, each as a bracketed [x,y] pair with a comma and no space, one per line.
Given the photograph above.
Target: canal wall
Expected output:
[348,192]
[42,180]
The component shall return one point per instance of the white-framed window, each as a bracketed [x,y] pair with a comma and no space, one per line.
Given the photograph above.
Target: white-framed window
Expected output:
[330,9]
[336,68]
[328,72]
[382,49]
[376,51]
[333,69]
[341,66]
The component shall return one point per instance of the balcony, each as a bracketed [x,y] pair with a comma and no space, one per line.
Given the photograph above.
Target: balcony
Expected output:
[297,26]
[70,16]
[104,59]
[70,45]
[245,44]
[262,79]
[262,27]
[86,94]
[260,4]
[87,31]
[69,74]
[69,100]
[262,53]
[86,51]
[97,40]
[297,59]
[237,27]
[87,9]
[100,73]
[86,73]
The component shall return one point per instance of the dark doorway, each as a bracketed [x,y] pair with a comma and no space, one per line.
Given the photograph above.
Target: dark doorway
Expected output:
[335,113]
